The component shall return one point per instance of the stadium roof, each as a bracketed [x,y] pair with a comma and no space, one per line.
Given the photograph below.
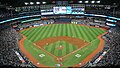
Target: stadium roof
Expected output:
[22,2]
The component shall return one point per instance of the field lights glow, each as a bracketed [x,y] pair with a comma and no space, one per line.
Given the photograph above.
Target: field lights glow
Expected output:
[98,2]
[37,2]
[26,3]
[31,3]
[43,2]
[86,1]
[79,1]
[92,1]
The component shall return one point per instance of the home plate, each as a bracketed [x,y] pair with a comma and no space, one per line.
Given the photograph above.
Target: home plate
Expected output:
[58,65]
[38,63]
[78,55]
[80,63]
[41,55]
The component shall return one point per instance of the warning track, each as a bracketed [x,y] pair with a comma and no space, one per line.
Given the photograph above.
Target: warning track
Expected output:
[82,63]
[28,55]
[89,57]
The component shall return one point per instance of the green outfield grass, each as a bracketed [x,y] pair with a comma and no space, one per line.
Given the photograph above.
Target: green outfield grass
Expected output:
[84,52]
[72,30]
[34,51]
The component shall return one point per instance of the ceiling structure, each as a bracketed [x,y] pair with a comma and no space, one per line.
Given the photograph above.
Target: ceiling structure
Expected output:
[22,2]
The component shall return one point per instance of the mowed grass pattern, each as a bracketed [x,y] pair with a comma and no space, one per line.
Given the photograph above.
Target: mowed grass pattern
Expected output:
[54,48]
[84,52]
[34,51]
[72,30]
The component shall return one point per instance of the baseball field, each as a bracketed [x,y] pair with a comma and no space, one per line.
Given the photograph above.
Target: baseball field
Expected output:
[62,45]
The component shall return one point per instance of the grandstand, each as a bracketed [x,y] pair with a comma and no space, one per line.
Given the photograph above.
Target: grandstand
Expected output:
[59,33]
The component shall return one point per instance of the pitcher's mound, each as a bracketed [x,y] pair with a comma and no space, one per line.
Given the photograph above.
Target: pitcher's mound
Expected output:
[60,47]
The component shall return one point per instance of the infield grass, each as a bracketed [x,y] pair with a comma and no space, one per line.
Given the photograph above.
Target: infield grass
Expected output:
[72,30]
[66,48]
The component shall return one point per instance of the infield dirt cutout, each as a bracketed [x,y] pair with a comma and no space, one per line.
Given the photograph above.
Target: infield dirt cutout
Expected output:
[75,41]
[83,62]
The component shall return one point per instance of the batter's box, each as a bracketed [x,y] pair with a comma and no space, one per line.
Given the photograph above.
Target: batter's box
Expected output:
[41,55]
[78,55]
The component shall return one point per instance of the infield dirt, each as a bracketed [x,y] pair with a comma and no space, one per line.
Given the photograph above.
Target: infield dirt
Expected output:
[75,41]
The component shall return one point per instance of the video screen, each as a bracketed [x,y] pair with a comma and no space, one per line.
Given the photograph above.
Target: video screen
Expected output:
[62,10]
[68,10]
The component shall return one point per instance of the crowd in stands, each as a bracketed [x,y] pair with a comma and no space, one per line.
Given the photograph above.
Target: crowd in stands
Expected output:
[113,55]
[8,45]
[7,14]
[104,12]
[29,13]
[79,21]
[4,14]
[112,45]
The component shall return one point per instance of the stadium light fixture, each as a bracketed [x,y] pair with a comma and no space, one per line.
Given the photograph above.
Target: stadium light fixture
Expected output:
[79,1]
[97,1]
[86,1]
[37,2]
[31,3]
[26,3]
[92,2]
[43,2]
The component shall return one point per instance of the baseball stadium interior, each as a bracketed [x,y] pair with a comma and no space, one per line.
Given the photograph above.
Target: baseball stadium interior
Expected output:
[60,33]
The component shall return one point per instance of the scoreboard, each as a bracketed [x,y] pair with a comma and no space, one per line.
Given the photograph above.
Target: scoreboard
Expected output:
[62,9]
